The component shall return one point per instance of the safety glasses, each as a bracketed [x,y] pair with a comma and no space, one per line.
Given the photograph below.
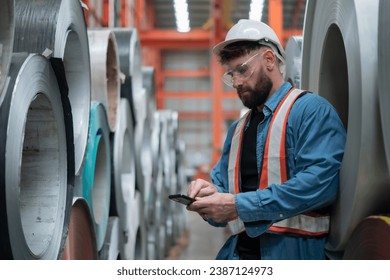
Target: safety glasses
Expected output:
[243,72]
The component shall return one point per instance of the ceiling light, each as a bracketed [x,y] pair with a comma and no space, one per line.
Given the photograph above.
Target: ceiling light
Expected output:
[256,9]
[182,17]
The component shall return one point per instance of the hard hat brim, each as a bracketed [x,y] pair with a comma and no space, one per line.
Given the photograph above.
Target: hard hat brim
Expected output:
[218,48]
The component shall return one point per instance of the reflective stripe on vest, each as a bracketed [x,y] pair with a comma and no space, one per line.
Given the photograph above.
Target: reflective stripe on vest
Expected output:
[274,171]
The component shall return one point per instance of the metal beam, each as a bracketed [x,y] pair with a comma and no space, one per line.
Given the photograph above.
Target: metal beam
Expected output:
[171,39]
[275,16]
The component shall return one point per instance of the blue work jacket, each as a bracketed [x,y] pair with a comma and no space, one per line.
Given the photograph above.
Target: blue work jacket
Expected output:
[315,140]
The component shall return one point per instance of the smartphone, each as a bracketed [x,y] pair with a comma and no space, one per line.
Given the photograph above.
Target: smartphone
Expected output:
[181,198]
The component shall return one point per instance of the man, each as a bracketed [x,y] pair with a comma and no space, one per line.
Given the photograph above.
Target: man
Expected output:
[279,169]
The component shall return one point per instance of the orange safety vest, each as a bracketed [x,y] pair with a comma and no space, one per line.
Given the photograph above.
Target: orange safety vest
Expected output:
[274,171]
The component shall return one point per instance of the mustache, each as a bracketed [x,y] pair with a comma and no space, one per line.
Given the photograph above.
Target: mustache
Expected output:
[240,90]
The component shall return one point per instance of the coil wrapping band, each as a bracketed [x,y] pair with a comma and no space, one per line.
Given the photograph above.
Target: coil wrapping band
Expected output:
[105,71]
[37,161]
[370,240]
[60,26]
[339,35]
[96,176]
[294,60]
[7,29]
[110,250]
[81,239]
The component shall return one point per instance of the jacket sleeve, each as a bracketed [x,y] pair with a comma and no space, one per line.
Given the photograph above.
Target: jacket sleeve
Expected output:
[317,139]
[219,175]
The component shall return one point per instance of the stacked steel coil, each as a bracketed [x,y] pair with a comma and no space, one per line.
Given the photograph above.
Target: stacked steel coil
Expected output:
[344,57]
[83,162]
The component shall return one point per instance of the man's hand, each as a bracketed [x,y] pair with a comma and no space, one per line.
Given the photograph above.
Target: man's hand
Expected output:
[220,207]
[201,188]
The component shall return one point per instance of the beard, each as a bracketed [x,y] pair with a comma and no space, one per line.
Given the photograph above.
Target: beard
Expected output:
[253,98]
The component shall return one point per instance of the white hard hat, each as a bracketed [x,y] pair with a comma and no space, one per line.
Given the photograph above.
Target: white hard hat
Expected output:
[252,30]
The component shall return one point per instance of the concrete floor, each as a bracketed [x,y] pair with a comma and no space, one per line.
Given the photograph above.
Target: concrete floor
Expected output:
[202,241]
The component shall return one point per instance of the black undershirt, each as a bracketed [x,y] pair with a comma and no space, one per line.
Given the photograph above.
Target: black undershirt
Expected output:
[249,248]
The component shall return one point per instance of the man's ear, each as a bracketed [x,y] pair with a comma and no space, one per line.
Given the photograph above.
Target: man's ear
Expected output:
[270,59]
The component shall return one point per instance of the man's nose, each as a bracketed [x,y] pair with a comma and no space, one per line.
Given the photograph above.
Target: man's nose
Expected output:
[237,82]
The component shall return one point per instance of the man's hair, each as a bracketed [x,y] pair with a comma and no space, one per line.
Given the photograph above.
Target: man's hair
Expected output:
[241,48]
[237,49]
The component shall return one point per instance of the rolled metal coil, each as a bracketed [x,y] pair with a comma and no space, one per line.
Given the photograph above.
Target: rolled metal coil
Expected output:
[339,35]
[294,60]
[370,240]
[105,71]
[153,203]
[129,49]
[148,79]
[160,214]
[135,248]
[37,161]
[59,25]
[96,178]
[7,30]
[130,64]
[155,142]
[110,250]
[383,72]
[143,177]
[144,163]
[81,240]
[123,170]
[180,214]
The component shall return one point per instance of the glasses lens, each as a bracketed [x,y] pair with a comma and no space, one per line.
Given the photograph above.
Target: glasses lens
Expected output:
[227,78]
[243,72]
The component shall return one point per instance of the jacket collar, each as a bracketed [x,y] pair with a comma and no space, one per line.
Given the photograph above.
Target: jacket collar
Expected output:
[273,102]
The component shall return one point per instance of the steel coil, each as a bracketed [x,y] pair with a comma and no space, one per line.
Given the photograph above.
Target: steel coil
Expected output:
[110,250]
[144,166]
[96,177]
[81,239]
[105,71]
[123,170]
[37,161]
[294,60]
[370,240]
[180,214]
[142,134]
[7,29]
[383,72]
[148,79]
[339,35]
[159,225]
[129,50]
[135,248]
[130,63]
[153,204]
[59,25]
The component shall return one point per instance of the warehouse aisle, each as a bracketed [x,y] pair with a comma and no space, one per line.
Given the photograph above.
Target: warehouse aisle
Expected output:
[203,241]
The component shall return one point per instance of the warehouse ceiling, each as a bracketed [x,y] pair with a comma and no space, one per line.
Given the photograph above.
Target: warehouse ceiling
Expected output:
[200,11]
